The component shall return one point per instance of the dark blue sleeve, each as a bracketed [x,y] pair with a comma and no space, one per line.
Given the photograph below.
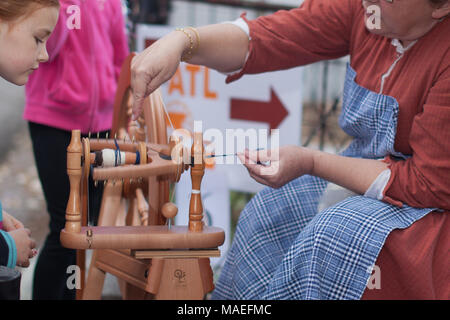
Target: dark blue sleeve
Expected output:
[4,251]
[8,250]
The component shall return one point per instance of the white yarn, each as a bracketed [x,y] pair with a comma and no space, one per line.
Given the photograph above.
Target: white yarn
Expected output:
[109,158]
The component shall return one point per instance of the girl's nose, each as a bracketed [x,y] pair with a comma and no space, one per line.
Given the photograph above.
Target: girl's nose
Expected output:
[43,55]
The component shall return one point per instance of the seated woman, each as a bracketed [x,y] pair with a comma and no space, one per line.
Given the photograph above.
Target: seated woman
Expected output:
[396,105]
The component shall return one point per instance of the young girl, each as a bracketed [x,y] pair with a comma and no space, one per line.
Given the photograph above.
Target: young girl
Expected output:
[75,89]
[25,26]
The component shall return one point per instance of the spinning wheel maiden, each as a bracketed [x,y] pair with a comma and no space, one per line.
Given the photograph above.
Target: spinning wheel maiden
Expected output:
[134,239]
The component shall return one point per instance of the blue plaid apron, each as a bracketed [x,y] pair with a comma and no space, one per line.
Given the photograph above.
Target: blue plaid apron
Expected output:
[284,249]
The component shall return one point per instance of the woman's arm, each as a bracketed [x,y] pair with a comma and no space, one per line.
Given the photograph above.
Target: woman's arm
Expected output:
[222,47]
[423,180]
[291,162]
[355,174]
[317,30]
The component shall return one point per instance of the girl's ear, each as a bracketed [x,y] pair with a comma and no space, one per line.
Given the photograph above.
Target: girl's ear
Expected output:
[442,11]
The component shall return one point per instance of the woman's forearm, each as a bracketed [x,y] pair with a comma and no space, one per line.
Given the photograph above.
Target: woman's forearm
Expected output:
[355,174]
[222,47]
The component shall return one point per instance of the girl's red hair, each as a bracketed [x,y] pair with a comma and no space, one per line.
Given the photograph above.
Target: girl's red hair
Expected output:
[12,9]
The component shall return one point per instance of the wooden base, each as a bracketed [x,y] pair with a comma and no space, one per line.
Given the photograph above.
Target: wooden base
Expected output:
[183,279]
[142,237]
[172,278]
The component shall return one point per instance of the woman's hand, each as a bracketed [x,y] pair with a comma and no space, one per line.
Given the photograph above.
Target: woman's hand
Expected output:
[10,223]
[286,164]
[25,246]
[154,66]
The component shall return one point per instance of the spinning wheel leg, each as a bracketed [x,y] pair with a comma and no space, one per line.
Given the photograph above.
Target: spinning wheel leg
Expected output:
[108,216]
[95,281]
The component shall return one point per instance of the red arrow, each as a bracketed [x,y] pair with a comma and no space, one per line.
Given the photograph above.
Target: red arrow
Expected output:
[272,112]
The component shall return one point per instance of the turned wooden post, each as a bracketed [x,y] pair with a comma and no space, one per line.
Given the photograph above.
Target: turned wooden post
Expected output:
[197,172]
[73,210]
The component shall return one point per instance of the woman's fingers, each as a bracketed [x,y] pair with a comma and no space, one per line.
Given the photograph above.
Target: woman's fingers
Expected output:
[254,170]
[139,84]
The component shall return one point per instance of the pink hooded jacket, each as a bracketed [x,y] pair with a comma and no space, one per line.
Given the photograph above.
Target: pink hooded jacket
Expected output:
[75,89]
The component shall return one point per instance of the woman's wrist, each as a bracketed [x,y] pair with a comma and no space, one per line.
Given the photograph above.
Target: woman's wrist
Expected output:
[179,42]
[314,156]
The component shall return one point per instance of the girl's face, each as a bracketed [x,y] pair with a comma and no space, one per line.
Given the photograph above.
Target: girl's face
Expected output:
[407,20]
[23,43]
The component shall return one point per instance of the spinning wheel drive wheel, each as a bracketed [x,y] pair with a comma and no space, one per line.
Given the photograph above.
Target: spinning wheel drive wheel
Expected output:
[131,240]
[149,128]
[132,210]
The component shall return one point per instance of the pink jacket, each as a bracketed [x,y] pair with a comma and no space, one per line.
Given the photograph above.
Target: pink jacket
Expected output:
[75,89]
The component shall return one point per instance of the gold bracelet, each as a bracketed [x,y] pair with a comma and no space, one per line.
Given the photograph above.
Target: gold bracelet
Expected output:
[186,56]
[197,36]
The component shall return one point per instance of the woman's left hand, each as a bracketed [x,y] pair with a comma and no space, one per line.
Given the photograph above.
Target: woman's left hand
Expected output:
[10,223]
[283,164]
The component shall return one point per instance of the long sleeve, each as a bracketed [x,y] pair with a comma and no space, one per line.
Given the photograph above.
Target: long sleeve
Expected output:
[317,30]
[424,179]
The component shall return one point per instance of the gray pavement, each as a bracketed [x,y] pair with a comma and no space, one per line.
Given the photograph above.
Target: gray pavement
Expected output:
[20,189]
[11,108]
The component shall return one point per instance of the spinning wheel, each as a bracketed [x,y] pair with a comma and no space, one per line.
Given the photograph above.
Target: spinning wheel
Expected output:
[132,240]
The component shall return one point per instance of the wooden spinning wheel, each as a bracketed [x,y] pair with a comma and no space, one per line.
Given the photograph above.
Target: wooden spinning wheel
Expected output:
[132,241]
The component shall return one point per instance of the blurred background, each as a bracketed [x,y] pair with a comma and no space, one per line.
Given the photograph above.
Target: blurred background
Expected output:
[20,189]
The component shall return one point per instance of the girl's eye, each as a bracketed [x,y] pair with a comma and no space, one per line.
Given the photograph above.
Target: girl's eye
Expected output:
[38,40]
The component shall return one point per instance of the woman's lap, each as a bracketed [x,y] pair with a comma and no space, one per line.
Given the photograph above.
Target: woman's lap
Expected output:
[283,249]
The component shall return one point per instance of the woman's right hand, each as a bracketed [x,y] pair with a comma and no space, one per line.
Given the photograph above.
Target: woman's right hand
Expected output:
[25,246]
[154,66]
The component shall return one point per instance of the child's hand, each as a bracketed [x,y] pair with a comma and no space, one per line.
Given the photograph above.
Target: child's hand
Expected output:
[25,246]
[10,223]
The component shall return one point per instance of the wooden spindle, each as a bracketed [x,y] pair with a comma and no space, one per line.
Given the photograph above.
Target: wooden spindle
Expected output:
[142,206]
[169,211]
[73,210]
[197,172]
